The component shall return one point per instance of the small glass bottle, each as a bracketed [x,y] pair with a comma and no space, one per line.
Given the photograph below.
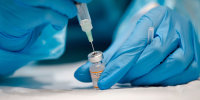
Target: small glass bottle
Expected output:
[97,66]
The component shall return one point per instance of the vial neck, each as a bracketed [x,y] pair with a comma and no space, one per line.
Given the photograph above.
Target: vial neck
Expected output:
[96,63]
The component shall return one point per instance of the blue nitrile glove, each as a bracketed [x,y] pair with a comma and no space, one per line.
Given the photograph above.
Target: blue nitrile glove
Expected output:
[173,57]
[32,30]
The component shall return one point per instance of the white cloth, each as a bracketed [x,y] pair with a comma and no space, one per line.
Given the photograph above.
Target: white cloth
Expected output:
[56,82]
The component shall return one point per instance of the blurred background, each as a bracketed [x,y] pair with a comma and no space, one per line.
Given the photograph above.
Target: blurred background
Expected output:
[105,18]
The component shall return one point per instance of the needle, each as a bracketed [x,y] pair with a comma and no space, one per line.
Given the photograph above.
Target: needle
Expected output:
[92,46]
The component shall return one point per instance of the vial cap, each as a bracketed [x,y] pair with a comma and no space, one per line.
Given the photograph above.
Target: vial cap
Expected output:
[95,56]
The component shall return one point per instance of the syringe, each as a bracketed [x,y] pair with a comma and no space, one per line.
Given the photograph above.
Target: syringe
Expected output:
[85,21]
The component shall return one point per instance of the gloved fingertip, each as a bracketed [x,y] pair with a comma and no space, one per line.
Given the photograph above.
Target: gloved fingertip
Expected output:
[103,85]
[82,73]
[111,75]
[83,1]
[73,13]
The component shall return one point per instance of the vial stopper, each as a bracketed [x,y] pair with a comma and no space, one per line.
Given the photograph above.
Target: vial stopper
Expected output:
[95,56]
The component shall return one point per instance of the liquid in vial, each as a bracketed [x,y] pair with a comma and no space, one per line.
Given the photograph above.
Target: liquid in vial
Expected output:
[97,66]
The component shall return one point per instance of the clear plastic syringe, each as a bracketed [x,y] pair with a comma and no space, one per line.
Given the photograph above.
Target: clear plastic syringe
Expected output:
[85,21]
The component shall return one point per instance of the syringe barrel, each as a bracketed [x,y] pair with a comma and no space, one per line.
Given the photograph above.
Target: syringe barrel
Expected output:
[84,17]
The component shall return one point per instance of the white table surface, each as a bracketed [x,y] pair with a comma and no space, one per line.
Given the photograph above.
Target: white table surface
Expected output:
[56,82]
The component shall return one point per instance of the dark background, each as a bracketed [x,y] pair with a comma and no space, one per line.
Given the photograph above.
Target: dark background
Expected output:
[105,15]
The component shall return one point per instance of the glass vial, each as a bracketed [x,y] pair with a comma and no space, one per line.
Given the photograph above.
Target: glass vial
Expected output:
[97,66]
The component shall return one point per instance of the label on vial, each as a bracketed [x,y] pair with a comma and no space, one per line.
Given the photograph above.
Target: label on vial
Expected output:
[95,77]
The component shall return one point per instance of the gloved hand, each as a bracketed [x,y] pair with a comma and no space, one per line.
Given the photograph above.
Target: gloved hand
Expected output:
[173,57]
[21,17]
[23,22]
